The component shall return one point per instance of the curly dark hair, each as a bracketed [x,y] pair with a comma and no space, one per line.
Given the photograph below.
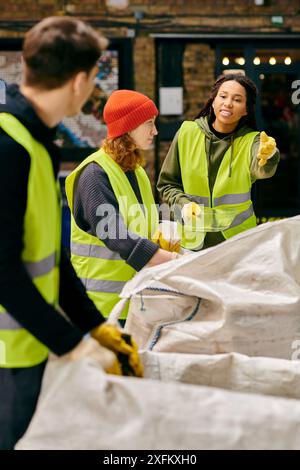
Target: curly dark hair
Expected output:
[251,94]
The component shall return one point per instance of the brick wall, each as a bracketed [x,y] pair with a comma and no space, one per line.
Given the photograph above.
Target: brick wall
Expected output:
[166,15]
[198,76]
[176,16]
[144,81]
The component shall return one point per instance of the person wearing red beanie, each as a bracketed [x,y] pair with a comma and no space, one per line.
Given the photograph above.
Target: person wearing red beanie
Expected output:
[125,110]
[113,212]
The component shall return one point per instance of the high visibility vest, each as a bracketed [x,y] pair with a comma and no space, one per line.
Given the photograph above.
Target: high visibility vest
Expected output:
[231,195]
[102,271]
[41,251]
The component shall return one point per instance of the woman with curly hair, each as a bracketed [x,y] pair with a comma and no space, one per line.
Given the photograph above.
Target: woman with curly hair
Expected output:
[213,162]
[113,213]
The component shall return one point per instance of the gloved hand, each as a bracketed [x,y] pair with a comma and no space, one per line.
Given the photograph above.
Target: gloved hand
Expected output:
[267,148]
[190,212]
[167,237]
[122,345]
[101,355]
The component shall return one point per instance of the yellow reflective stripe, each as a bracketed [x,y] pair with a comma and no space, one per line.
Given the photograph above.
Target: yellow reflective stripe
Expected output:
[94,251]
[242,216]
[95,285]
[42,267]
[7,322]
[232,199]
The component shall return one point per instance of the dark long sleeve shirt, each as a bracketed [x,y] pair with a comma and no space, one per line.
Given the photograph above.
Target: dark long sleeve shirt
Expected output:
[94,189]
[18,294]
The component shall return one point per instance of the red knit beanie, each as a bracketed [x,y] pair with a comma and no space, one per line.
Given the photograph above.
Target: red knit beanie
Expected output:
[125,110]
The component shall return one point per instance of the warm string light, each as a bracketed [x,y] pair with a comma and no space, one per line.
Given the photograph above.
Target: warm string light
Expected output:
[256,60]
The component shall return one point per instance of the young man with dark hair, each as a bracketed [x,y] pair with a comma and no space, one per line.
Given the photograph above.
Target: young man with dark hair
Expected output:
[59,66]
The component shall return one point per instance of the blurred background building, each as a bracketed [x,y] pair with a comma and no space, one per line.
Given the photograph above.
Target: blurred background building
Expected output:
[172,50]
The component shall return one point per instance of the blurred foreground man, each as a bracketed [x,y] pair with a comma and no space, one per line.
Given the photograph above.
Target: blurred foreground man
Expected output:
[36,277]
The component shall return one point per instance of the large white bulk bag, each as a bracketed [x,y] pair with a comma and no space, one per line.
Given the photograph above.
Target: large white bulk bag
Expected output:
[80,407]
[240,296]
[232,371]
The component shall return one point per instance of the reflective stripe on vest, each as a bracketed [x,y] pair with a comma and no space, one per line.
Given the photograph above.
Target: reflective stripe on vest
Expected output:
[232,188]
[42,267]
[93,285]
[7,322]
[232,199]
[102,271]
[199,199]
[93,251]
[242,216]
[41,247]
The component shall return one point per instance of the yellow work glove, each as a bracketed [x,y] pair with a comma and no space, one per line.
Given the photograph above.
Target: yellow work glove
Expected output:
[167,237]
[267,148]
[122,345]
[190,212]
[101,355]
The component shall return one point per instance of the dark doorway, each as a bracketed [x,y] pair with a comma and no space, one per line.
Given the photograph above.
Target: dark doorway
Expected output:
[278,116]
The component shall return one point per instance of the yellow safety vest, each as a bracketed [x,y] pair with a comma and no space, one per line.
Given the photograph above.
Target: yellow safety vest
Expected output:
[41,251]
[102,271]
[232,189]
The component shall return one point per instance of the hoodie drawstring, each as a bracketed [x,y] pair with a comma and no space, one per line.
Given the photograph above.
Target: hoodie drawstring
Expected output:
[231,155]
[209,147]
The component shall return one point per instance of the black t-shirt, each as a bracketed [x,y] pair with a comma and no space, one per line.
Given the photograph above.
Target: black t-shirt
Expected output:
[220,135]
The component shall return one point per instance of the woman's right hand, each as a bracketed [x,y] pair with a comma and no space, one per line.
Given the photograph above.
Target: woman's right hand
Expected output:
[167,236]
[162,256]
[190,212]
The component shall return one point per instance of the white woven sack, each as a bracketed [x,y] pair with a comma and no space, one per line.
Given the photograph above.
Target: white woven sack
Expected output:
[232,371]
[240,296]
[80,407]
